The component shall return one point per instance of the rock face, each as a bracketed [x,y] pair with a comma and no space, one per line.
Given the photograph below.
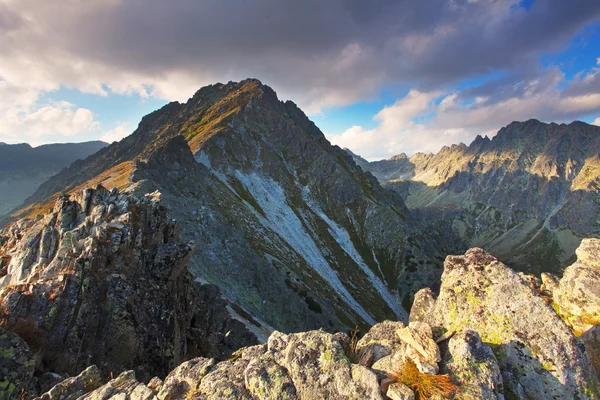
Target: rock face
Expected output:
[16,366]
[23,168]
[290,228]
[578,293]
[591,340]
[527,195]
[102,279]
[536,351]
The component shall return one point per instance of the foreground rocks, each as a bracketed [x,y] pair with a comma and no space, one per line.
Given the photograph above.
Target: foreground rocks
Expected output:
[103,280]
[577,295]
[537,353]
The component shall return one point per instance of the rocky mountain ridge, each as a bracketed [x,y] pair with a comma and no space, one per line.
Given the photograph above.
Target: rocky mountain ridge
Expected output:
[529,194]
[23,168]
[291,229]
[103,279]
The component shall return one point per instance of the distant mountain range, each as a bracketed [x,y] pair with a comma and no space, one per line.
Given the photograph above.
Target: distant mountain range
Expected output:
[528,195]
[23,168]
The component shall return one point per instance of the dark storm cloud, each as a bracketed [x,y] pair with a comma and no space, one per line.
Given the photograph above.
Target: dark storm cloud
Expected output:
[341,49]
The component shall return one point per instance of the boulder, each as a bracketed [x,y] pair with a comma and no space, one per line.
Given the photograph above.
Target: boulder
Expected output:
[578,293]
[474,367]
[184,379]
[398,391]
[123,387]
[591,340]
[422,305]
[536,351]
[76,387]
[16,366]
[381,340]
[420,346]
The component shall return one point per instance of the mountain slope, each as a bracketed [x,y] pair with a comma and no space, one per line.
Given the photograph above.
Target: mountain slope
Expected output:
[286,224]
[528,195]
[23,168]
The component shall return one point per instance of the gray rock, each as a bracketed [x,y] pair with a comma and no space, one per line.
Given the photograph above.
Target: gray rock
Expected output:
[474,367]
[117,294]
[398,391]
[422,305]
[184,380]
[16,366]
[578,293]
[537,353]
[420,346]
[382,340]
[123,387]
[76,387]
[591,340]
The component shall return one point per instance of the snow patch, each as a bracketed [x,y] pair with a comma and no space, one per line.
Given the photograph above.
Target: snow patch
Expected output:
[281,219]
[342,237]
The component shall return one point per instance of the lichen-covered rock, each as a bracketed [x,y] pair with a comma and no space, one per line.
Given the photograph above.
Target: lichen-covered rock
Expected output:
[537,353]
[420,346]
[591,340]
[381,340]
[578,293]
[123,387]
[74,388]
[422,305]
[185,379]
[16,366]
[103,280]
[398,391]
[474,367]
[320,369]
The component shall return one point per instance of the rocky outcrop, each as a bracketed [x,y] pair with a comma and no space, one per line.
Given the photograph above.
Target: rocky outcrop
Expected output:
[577,295]
[16,366]
[537,353]
[102,279]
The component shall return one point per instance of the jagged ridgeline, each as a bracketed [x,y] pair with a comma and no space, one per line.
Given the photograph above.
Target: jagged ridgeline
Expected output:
[528,195]
[290,228]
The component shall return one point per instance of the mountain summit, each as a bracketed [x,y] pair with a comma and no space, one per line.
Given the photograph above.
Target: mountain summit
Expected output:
[285,223]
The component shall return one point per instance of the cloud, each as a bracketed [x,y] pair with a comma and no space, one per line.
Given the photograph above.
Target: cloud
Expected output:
[23,118]
[596,122]
[342,50]
[426,121]
[116,134]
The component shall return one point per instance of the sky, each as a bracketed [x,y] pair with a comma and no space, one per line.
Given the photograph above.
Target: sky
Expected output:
[380,77]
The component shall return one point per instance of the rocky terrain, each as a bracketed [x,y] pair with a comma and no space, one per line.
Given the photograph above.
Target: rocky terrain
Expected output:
[528,195]
[290,228]
[23,168]
[103,279]
[490,333]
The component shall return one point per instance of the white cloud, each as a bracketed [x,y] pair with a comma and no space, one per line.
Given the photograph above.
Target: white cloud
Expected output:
[596,122]
[116,134]
[457,119]
[24,119]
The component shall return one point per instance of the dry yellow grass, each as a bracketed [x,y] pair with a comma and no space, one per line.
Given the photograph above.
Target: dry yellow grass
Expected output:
[425,386]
